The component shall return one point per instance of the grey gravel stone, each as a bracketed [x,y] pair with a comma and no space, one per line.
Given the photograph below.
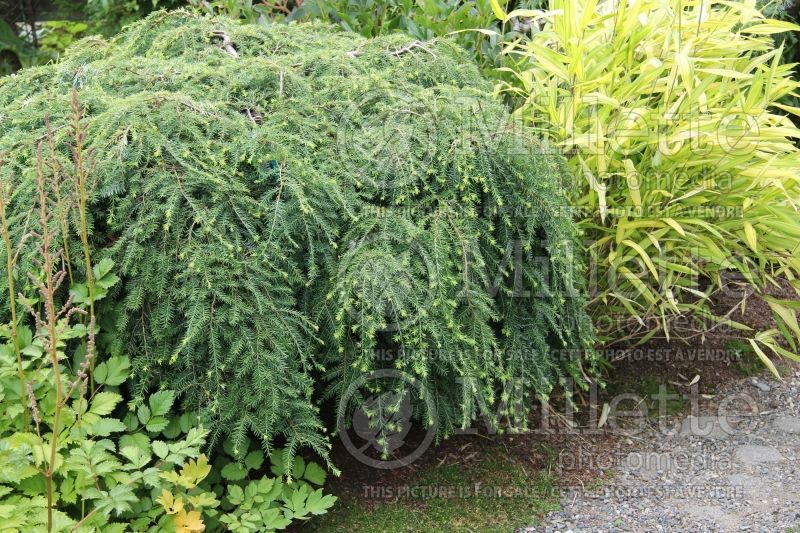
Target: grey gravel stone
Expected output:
[710,480]
[787,424]
[754,454]
[712,427]
[760,385]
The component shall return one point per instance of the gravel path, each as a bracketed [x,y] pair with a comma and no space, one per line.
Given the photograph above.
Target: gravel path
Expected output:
[720,470]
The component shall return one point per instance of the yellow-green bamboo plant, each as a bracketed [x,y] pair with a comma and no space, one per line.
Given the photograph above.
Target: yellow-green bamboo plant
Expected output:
[684,162]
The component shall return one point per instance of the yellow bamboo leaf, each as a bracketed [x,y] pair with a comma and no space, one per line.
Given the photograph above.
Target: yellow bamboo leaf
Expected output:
[684,67]
[789,109]
[632,179]
[747,11]
[726,73]
[645,291]
[484,31]
[553,62]
[764,359]
[669,266]
[498,10]
[771,27]
[645,257]
[595,184]
[674,224]
[653,240]
[785,313]
[784,352]
[750,236]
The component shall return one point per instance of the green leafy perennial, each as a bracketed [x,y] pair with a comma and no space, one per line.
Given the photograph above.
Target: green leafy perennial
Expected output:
[301,206]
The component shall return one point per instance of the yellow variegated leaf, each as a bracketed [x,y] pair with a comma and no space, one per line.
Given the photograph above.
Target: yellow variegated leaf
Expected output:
[750,236]
[771,27]
[645,257]
[764,359]
[726,73]
[498,10]
[787,314]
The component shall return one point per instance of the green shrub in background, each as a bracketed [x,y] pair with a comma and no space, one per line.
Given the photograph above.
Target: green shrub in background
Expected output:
[108,17]
[472,23]
[61,22]
[57,35]
[671,115]
[15,52]
[789,11]
[285,207]
[422,19]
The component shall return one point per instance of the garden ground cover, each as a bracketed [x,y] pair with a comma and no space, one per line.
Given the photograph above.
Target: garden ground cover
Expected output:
[546,466]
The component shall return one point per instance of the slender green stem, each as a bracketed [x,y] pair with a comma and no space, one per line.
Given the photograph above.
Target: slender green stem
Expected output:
[12,303]
[48,289]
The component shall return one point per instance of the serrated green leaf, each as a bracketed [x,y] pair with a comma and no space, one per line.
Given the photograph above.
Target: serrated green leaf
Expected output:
[161,402]
[318,504]
[186,421]
[160,449]
[173,429]
[102,268]
[135,455]
[143,413]
[278,462]
[112,372]
[254,459]
[104,403]
[106,426]
[204,499]
[105,283]
[79,294]
[273,519]
[315,474]
[298,467]
[156,424]
[234,472]
[235,494]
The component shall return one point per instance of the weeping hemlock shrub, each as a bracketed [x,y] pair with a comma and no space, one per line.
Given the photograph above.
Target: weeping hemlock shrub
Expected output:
[288,206]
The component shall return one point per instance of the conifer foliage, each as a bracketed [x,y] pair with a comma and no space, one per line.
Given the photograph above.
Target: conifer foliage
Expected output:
[288,206]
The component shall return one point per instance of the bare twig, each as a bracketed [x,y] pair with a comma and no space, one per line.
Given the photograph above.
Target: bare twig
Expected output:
[255,116]
[226,43]
[411,47]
